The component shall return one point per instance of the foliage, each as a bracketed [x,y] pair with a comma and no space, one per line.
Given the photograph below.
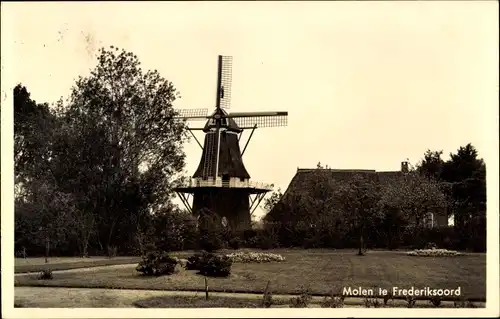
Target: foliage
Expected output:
[410,301]
[211,231]
[464,304]
[174,230]
[209,264]
[372,303]
[46,274]
[412,196]
[252,257]
[332,302]
[272,200]
[319,210]
[210,240]
[301,301]
[195,261]
[431,245]
[433,253]
[156,264]
[214,265]
[234,243]
[90,171]
[267,298]
[463,177]
[435,301]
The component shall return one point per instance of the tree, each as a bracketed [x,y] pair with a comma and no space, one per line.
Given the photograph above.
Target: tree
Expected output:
[432,165]
[414,196]
[42,210]
[34,125]
[135,155]
[465,175]
[174,229]
[359,201]
[111,153]
[270,202]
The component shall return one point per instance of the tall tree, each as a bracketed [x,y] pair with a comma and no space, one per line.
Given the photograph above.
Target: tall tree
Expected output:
[359,199]
[431,165]
[406,201]
[413,196]
[133,150]
[465,174]
[34,125]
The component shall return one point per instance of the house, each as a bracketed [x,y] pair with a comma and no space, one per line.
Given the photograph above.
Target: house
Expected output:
[298,182]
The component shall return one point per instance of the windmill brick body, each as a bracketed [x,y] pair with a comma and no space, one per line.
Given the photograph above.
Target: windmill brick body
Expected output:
[221,184]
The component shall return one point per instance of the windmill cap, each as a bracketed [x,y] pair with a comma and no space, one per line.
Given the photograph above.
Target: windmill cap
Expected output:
[227,122]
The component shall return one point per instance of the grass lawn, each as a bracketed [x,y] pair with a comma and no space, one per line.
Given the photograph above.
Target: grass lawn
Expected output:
[36,264]
[319,271]
[199,302]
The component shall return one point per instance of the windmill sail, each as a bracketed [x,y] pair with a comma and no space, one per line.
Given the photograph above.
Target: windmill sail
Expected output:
[264,120]
[191,113]
[221,182]
[224,79]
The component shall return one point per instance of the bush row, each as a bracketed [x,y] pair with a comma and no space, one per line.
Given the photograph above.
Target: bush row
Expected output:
[285,236]
[158,263]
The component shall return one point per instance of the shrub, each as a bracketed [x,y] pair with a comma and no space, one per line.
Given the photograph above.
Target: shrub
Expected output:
[430,245]
[464,304]
[267,238]
[112,251]
[252,242]
[388,297]
[234,243]
[194,262]
[157,264]
[372,303]
[301,301]
[433,253]
[248,234]
[210,264]
[213,265]
[251,257]
[267,301]
[333,302]
[210,240]
[46,275]
[435,301]
[411,301]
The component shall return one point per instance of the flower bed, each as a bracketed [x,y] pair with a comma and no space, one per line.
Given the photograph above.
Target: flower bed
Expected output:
[251,257]
[433,253]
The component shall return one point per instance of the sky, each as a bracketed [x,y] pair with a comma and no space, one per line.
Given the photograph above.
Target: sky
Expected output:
[366,84]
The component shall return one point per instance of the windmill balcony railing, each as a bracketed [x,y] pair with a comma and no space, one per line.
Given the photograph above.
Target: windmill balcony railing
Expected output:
[221,183]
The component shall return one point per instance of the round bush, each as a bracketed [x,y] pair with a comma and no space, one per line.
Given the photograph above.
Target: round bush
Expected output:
[157,264]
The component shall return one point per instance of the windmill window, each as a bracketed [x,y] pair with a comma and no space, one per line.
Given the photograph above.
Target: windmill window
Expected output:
[225,177]
[242,179]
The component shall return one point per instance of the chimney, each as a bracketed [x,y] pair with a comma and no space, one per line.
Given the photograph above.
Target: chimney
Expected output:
[404,167]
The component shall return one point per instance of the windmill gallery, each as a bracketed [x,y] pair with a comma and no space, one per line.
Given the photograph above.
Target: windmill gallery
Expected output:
[221,184]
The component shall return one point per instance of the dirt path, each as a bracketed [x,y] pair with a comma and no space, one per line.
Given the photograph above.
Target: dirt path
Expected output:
[60,297]
[56,297]
[88,269]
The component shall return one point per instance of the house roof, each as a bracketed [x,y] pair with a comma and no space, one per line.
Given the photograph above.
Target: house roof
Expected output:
[303,174]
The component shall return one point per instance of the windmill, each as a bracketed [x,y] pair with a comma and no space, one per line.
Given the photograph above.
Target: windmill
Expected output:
[221,183]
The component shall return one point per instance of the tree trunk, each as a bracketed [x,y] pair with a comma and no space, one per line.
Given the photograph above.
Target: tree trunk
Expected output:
[361,241]
[47,249]
[110,235]
[360,249]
